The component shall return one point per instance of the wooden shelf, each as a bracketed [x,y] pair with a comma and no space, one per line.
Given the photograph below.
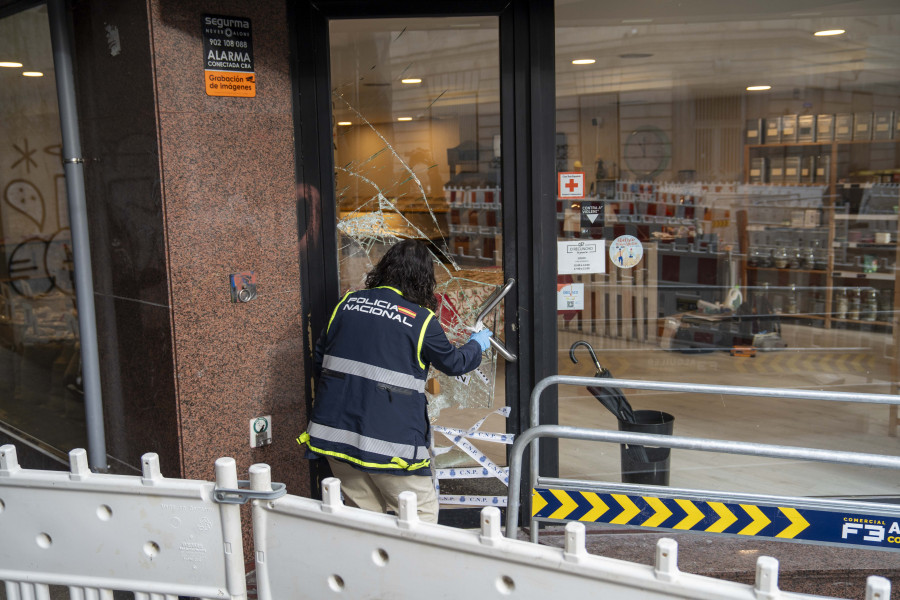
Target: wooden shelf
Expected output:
[824,143]
[865,246]
[846,217]
[862,322]
[787,270]
[860,275]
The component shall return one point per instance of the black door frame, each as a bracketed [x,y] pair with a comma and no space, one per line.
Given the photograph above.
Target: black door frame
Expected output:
[528,115]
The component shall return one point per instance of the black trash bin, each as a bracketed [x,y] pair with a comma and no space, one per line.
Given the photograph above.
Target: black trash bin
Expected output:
[646,464]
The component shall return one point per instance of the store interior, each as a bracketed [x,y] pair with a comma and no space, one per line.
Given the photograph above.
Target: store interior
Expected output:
[753,152]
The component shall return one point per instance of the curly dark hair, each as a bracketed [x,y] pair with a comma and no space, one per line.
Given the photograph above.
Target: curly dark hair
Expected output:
[408,267]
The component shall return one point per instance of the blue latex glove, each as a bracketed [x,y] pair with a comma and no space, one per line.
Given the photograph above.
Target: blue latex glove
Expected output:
[483,338]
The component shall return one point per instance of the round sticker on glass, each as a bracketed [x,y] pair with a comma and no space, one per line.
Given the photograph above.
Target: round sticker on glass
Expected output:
[626,251]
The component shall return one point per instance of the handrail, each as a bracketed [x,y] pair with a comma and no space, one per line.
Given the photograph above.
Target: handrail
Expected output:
[489,305]
[694,388]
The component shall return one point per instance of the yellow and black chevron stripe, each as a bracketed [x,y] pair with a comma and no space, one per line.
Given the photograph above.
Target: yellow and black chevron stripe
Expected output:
[679,514]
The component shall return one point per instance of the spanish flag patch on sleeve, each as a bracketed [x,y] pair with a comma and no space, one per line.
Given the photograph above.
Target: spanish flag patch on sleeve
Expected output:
[406,312]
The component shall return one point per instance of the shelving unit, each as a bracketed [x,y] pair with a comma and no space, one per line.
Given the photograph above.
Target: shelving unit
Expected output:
[474,224]
[845,267]
[850,266]
[832,150]
[856,260]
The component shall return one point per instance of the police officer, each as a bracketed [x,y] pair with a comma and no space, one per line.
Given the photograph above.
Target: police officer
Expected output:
[370,418]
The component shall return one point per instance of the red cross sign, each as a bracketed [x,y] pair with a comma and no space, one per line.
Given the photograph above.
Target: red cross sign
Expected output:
[571,185]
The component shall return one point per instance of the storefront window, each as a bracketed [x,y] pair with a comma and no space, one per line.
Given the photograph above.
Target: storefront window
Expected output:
[41,397]
[738,175]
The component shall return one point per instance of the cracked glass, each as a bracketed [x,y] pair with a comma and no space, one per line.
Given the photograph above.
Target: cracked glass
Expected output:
[416,134]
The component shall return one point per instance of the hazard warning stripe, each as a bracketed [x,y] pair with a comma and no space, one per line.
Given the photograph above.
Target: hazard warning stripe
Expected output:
[757,520]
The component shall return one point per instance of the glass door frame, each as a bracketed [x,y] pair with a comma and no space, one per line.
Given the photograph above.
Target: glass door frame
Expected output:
[528,122]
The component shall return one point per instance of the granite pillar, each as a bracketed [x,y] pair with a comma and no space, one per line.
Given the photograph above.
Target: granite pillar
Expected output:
[184,190]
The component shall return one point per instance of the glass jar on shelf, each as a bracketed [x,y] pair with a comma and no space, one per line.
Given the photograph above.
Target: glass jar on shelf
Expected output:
[808,258]
[794,257]
[821,254]
[855,304]
[841,303]
[753,256]
[885,305]
[780,257]
[869,305]
[793,301]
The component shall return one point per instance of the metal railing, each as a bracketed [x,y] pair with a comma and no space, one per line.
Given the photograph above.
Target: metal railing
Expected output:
[530,438]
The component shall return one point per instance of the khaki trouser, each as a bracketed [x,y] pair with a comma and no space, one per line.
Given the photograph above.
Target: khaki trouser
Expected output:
[380,492]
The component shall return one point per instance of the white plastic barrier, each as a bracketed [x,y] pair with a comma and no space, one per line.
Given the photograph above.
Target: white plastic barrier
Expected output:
[163,538]
[94,533]
[318,549]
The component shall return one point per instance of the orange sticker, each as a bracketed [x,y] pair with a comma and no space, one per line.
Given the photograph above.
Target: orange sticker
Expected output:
[230,83]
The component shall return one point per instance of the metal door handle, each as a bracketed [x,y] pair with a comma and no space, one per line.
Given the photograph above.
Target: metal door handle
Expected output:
[486,309]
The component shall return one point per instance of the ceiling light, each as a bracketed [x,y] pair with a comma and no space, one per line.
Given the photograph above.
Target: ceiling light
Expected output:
[344,123]
[32,74]
[829,32]
[411,80]
[635,21]
[404,118]
[636,55]
[758,88]
[12,65]
[583,61]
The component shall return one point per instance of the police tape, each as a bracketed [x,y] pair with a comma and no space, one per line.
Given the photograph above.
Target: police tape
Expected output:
[466,378]
[459,439]
[503,412]
[479,457]
[487,436]
[472,500]
[744,519]
[467,473]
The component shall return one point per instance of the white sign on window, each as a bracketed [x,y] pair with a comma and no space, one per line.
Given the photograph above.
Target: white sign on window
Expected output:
[580,257]
[570,296]
[571,185]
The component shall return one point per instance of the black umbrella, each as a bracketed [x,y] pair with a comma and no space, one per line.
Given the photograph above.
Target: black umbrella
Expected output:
[610,397]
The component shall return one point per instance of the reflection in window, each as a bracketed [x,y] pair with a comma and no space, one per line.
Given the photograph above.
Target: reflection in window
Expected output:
[758,165]
[41,397]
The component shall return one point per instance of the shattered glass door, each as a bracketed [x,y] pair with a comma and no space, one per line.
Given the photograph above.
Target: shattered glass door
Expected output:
[416,131]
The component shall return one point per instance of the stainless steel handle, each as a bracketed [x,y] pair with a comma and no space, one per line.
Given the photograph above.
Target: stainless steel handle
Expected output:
[486,309]
[502,351]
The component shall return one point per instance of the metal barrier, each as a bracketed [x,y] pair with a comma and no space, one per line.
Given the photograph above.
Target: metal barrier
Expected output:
[778,517]
[163,539]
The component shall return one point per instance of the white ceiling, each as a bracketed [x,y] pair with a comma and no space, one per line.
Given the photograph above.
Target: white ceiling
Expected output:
[688,47]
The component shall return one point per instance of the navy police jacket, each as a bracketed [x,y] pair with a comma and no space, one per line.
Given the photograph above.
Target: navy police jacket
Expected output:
[371,363]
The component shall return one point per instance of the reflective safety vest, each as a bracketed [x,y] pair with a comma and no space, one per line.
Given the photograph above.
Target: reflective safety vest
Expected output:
[370,408]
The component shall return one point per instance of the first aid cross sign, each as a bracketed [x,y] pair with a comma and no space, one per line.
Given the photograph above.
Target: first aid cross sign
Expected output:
[571,185]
